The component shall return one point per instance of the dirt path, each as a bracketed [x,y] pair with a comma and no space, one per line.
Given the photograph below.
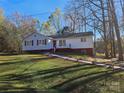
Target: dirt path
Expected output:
[113,66]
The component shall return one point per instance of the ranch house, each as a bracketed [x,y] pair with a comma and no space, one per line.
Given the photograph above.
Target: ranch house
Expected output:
[69,42]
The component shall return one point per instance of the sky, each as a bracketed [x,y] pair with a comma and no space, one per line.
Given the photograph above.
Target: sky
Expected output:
[40,9]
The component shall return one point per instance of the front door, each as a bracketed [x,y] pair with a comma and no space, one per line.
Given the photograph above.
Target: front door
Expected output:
[54,46]
[54,43]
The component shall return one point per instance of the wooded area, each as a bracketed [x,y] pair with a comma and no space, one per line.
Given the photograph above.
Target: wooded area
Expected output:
[99,16]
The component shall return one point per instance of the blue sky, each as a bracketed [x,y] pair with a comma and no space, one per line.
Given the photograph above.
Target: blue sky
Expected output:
[32,7]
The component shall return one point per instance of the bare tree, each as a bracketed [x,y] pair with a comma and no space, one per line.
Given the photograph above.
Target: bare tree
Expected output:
[117,30]
[103,13]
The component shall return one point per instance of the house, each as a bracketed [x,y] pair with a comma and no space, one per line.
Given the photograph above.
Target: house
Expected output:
[36,42]
[67,42]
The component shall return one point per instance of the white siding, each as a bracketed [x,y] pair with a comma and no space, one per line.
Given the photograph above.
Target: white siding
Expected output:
[73,43]
[76,42]
[35,37]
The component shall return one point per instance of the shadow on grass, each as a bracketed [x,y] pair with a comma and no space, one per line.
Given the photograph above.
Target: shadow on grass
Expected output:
[68,85]
[71,54]
[80,84]
[11,89]
[26,61]
[50,73]
[44,74]
[8,54]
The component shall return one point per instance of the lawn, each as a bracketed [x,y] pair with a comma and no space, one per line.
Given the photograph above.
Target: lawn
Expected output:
[99,57]
[37,73]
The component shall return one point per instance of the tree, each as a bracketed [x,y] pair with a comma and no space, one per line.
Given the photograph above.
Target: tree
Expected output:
[47,29]
[74,17]
[117,30]
[1,28]
[53,24]
[55,19]
[95,12]
[105,18]
[13,30]
[1,16]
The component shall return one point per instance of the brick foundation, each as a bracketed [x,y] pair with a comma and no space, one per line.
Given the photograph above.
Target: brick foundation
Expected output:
[87,51]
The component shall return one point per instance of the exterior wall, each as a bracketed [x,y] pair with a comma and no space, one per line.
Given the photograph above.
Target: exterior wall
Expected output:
[88,51]
[76,42]
[36,37]
[77,45]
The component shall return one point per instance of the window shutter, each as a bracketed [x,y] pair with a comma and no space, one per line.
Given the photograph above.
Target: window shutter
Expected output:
[32,42]
[25,43]
[37,43]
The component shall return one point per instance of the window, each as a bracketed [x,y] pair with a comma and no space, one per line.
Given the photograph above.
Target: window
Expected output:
[29,43]
[39,42]
[25,43]
[69,45]
[32,42]
[45,41]
[83,39]
[42,42]
[62,42]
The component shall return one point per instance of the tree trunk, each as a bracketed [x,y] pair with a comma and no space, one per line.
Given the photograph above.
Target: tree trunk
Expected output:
[112,36]
[117,30]
[104,29]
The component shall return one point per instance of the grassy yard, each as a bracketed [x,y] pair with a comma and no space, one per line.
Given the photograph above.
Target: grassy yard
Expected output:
[36,73]
[98,58]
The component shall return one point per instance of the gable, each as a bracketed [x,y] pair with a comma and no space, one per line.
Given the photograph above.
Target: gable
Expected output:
[34,35]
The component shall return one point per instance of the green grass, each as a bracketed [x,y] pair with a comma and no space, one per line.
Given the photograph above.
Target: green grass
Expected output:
[99,57]
[73,54]
[36,73]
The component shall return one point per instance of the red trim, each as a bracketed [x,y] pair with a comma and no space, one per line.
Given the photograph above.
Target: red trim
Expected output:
[89,51]
[38,51]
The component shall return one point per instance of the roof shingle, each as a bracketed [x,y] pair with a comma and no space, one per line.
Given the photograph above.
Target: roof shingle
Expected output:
[67,35]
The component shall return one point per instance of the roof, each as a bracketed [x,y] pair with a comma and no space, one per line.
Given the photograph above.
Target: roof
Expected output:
[67,35]
[26,36]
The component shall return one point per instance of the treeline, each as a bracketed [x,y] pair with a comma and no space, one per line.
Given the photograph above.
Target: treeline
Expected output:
[14,28]
[101,17]
[12,31]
